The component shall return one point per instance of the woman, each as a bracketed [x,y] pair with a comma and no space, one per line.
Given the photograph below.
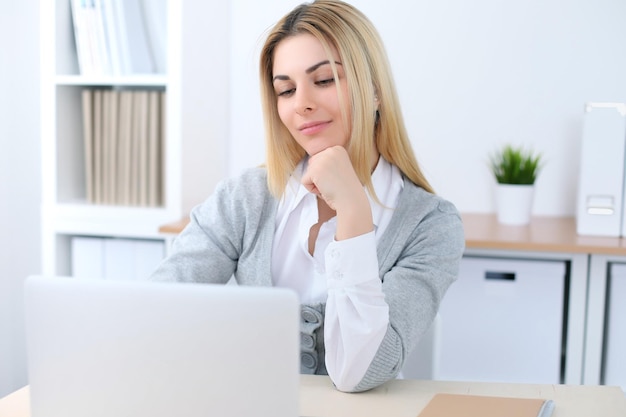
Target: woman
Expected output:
[341,212]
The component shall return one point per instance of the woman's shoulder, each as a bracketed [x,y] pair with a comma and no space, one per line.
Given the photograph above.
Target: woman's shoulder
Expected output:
[245,190]
[249,179]
[424,214]
[423,200]
[255,174]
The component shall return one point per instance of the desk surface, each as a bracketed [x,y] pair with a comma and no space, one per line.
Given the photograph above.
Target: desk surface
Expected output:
[550,234]
[483,231]
[406,398]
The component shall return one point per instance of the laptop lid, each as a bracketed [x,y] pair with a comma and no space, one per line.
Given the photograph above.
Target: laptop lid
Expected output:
[142,349]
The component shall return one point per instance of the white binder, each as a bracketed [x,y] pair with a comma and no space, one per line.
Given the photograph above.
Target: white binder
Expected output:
[600,204]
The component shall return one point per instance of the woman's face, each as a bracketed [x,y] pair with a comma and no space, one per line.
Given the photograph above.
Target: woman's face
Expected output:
[308,95]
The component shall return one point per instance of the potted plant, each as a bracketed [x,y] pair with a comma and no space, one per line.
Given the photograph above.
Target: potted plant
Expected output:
[515,170]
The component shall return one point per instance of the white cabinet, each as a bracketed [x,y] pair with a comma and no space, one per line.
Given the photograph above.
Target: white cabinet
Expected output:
[195,120]
[614,363]
[503,320]
[115,258]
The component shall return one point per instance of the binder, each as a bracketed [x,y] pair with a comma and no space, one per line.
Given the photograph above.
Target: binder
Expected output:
[155,15]
[600,203]
[134,47]
[87,104]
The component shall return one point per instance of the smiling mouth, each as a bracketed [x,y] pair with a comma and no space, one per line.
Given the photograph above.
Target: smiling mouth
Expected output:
[312,128]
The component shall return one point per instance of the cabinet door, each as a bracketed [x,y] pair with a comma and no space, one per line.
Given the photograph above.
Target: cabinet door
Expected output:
[115,258]
[615,335]
[503,321]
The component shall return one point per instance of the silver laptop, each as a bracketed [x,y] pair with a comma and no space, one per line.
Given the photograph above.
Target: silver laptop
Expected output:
[141,349]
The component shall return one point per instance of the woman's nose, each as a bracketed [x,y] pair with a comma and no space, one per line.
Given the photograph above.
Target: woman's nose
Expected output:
[304,102]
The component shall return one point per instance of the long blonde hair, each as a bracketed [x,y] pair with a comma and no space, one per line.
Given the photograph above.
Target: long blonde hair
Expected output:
[376,113]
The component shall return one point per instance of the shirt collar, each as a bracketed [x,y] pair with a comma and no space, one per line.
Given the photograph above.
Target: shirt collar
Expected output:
[295,191]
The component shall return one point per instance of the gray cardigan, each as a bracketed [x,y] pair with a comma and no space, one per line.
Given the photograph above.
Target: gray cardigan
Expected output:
[231,233]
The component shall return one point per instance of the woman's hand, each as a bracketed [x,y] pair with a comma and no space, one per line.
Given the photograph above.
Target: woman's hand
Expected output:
[330,176]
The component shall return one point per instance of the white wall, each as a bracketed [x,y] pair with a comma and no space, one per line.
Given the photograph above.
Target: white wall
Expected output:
[471,75]
[20,184]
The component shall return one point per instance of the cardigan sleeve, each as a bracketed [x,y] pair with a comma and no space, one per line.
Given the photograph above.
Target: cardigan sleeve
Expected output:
[209,249]
[417,266]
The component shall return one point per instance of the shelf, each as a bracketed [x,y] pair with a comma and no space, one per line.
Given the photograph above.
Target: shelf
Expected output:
[193,135]
[148,80]
[123,221]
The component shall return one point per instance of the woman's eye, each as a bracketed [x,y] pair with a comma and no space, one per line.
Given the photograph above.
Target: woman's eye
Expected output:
[326,81]
[286,93]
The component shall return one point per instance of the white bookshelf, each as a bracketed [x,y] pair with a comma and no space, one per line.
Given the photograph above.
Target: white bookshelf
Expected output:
[196,85]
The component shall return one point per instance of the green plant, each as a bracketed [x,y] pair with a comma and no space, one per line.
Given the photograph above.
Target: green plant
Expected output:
[515,165]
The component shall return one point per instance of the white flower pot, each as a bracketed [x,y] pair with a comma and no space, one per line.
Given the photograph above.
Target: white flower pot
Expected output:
[514,203]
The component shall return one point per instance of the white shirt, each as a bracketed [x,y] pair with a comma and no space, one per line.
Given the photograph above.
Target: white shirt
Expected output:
[343,274]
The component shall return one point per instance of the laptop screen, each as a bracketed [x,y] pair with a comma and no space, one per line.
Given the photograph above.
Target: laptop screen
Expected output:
[142,349]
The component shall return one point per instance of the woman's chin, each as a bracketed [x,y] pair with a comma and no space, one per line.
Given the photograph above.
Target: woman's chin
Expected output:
[312,150]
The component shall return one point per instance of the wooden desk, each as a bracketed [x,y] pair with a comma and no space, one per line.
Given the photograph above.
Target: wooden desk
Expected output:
[550,234]
[406,398]
[482,231]
[174,227]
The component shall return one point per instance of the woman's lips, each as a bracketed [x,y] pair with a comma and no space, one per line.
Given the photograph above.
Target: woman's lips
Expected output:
[312,128]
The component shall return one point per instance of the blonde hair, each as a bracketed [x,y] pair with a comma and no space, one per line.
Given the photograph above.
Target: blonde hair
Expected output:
[368,75]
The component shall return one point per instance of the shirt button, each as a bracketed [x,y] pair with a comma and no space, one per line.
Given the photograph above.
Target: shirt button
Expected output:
[308,361]
[334,253]
[307,341]
[337,275]
[309,316]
